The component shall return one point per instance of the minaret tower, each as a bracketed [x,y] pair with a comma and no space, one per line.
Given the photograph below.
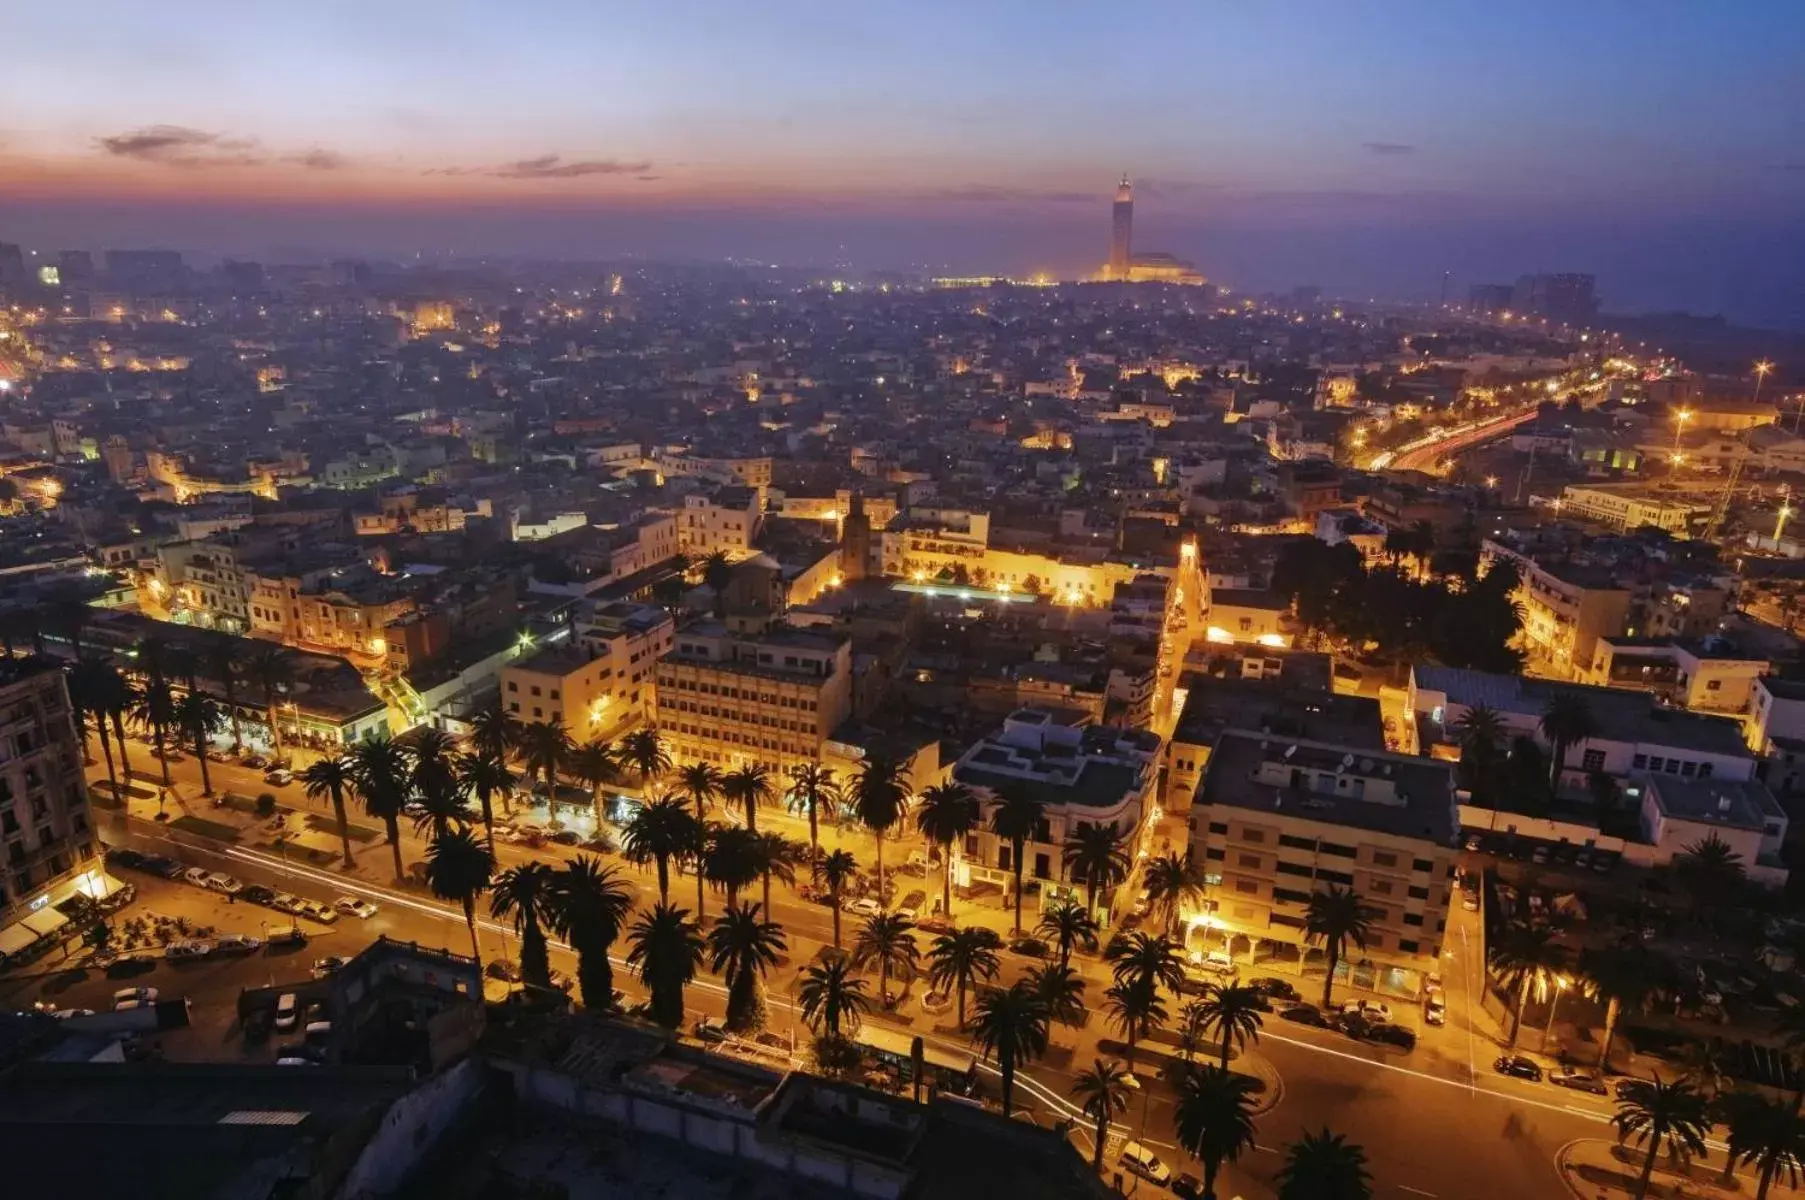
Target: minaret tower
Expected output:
[1121,231]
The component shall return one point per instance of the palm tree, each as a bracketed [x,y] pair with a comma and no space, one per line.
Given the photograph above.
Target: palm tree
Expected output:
[1093,853]
[778,857]
[156,711]
[1324,1166]
[546,747]
[1068,925]
[644,751]
[1566,721]
[961,960]
[221,657]
[835,871]
[1213,1118]
[117,696]
[1233,1011]
[812,789]
[1010,1025]
[1170,879]
[1623,977]
[1766,1135]
[458,867]
[590,903]
[1527,959]
[701,783]
[1061,989]
[717,573]
[1709,869]
[494,731]
[89,694]
[379,767]
[887,940]
[660,831]
[832,997]
[879,797]
[440,808]
[1146,960]
[330,778]
[1191,1029]
[1017,817]
[268,667]
[485,776]
[1335,917]
[593,763]
[731,860]
[1101,1090]
[199,714]
[666,951]
[1134,1010]
[1668,1117]
[526,893]
[743,946]
[944,814]
[749,786]
[432,755]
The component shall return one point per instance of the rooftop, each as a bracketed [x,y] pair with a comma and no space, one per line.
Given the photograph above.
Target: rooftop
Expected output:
[1212,705]
[1733,804]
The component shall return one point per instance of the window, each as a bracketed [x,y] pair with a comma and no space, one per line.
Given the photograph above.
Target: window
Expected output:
[1714,685]
[1287,896]
[1383,858]
[1639,761]
[513,686]
[535,689]
[1218,827]
[1337,850]
[1285,921]
[1381,887]
[1655,762]
[1407,945]
[1256,836]
[554,693]
[1704,770]
[1341,877]
[513,706]
[1247,887]
[1042,866]
[1417,893]
[1413,918]
[1214,854]
[1421,864]
[1251,861]
[1299,869]
[1592,760]
[1296,843]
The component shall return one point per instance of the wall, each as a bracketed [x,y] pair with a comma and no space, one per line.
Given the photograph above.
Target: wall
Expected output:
[410,1129]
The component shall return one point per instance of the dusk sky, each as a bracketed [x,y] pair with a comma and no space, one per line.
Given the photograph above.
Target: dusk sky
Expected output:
[1365,148]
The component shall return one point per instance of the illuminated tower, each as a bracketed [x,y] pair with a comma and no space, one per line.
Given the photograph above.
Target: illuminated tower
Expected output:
[1121,232]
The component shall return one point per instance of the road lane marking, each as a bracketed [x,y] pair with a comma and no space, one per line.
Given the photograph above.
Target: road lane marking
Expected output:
[1404,1187]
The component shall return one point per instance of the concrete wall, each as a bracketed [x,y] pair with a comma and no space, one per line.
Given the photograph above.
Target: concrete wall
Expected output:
[410,1129]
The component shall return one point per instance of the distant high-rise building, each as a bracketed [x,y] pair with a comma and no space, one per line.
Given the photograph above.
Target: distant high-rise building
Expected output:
[145,270]
[855,541]
[75,268]
[243,277]
[1121,233]
[1489,298]
[1562,297]
[13,274]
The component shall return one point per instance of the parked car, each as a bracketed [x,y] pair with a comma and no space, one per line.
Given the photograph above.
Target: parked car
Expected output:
[937,924]
[1372,1010]
[1401,1036]
[710,1030]
[911,905]
[1139,1160]
[322,912]
[1306,1014]
[255,761]
[292,936]
[286,902]
[134,995]
[1519,1066]
[256,893]
[1188,1186]
[237,943]
[1435,1009]
[224,883]
[288,1011]
[567,837]
[1579,1081]
[329,965]
[863,906]
[121,856]
[1277,989]
[198,876]
[188,948]
[168,868]
[917,864]
[353,906]
[1216,962]
[504,969]
[278,777]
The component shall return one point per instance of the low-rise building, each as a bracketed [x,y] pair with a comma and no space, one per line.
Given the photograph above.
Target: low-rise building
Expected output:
[1630,506]
[1679,814]
[1249,616]
[1567,607]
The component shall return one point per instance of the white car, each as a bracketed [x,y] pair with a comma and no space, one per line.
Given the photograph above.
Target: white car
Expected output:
[1372,1010]
[237,943]
[280,777]
[190,948]
[864,906]
[134,996]
[198,876]
[325,914]
[224,883]
[352,906]
[1139,1160]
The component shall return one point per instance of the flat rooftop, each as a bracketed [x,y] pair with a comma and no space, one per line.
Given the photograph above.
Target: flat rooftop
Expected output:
[1262,706]
[1730,803]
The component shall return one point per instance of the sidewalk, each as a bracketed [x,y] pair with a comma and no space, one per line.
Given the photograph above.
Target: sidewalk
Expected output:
[1601,1170]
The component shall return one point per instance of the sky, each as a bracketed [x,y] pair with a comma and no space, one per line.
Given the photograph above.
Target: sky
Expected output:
[1361,147]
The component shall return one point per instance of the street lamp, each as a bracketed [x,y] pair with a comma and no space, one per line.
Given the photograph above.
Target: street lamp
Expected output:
[1679,424]
[1561,983]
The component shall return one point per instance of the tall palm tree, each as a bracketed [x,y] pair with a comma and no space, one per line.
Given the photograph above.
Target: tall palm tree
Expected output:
[156,711]
[832,997]
[1623,977]
[1233,1012]
[887,940]
[199,714]
[945,814]
[221,657]
[748,786]
[732,860]
[440,808]
[1134,1010]
[1061,989]
[665,948]
[485,776]
[1093,852]
[89,688]
[1010,1025]
[701,783]
[268,667]
[1566,722]
[879,797]
[1669,1117]
[1482,736]
[1324,1166]
[379,767]
[961,960]
[1527,959]
[590,903]
[117,696]
[546,748]
[1146,960]
[1768,1135]
[1709,870]
[594,765]
[834,872]
[1171,879]
[1067,925]
[1016,817]
[494,731]
[778,858]
[645,752]
[330,778]
[743,946]
[1192,1029]
[1335,917]
[717,573]
[814,791]
[660,831]
[1102,1091]
[458,868]
[432,763]
[527,894]
[1213,1118]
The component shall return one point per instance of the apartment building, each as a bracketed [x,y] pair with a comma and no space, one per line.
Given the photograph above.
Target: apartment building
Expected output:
[1567,607]
[559,683]
[50,852]
[1679,813]
[726,521]
[1247,616]
[318,603]
[770,697]
[1277,819]
[1707,675]
[589,558]
[626,640]
[924,545]
[753,472]
[1630,506]
[1081,772]
[206,579]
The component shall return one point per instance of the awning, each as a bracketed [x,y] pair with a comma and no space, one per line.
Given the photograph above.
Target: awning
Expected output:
[15,938]
[46,920]
[98,886]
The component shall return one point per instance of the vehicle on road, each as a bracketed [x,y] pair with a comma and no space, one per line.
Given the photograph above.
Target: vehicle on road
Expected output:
[279,777]
[1188,1186]
[1216,962]
[1519,1066]
[294,935]
[134,996]
[224,883]
[237,943]
[198,876]
[1401,1036]
[863,906]
[254,761]
[320,911]
[63,1014]
[1435,1009]
[1579,1081]
[1277,989]
[288,1011]
[937,924]
[329,965]
[288,903]
[708,1029]
[188,948]
[1306,1014]
[1139,1160]
[354,906]
[911,905]
[567,837]
[917,864]
[256,893]
[1372,1010]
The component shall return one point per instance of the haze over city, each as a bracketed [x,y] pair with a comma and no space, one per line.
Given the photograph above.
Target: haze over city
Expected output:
[1657,146]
